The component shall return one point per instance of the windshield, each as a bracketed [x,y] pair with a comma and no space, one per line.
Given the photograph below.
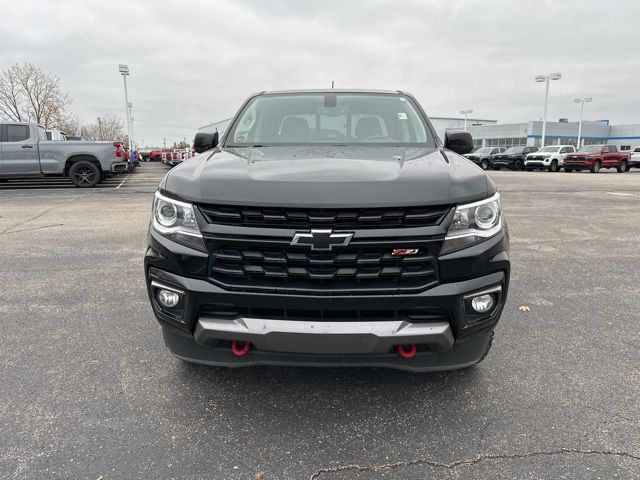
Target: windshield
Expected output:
[591,148]
[548,150]
[331,119]
[514,150]
[484,150]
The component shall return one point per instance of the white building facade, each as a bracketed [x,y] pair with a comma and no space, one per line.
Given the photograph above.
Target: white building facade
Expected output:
[625,137]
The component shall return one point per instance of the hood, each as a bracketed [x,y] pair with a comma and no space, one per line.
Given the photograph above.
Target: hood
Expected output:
[583,154]
[541,154]
[328,176]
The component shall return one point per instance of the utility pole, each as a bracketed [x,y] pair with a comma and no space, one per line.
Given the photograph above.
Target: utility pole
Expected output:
[164,142]
[99,129]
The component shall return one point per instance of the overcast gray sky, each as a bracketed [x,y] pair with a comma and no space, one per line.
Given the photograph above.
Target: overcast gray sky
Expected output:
[193,62]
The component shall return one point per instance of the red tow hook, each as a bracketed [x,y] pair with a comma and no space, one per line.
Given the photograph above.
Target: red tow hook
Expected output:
[240,349]
[407,351]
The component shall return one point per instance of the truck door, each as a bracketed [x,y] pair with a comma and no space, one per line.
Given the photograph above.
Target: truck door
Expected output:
[19,150]
[610,157]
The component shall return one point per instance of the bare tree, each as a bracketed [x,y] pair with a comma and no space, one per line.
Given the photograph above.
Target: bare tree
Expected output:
[27,93]
[69,124]
[106,127]
[11,96]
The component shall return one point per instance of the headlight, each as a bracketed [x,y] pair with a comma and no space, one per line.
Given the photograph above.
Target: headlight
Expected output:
[177,221]
[473,223]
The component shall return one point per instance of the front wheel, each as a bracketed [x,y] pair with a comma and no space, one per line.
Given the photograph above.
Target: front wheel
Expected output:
[596,167]
[622,168]
[484,164]
[497,168]
[84,174]
[518,165]
[568,170]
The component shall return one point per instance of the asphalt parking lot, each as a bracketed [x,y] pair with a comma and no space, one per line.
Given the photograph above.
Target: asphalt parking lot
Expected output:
[90,391]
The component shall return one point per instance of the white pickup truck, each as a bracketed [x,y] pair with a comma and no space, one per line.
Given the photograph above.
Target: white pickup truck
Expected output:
[549,158]
[25,152]
[634,161]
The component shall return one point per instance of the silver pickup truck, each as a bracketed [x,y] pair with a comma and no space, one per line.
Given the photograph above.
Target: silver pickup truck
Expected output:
[25,152]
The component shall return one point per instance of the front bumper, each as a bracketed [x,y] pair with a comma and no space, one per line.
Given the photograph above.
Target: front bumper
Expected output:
[503,163]
[465,352]
[578,165]
[454,340]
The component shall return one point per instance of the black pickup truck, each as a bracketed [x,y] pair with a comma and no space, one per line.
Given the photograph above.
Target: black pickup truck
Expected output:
[512,158]
[328,228]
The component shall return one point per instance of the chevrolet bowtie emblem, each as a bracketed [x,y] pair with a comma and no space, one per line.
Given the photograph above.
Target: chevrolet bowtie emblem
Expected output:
[321,239]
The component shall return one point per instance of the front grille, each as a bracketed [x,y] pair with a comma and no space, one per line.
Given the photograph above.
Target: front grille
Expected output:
[414,315]
[537,157]
[577,157]
[299,218]
[368,268]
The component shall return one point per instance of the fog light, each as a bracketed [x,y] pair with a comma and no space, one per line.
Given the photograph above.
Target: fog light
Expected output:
[167,298]
[482,303]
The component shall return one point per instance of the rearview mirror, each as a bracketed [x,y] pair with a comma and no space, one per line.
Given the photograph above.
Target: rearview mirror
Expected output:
[459,142]
[205,141]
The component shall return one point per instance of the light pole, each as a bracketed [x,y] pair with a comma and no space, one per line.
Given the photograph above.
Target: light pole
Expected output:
[581,101]
[465,113]
[540,79]
[124,71]
[99,129]
[131,142]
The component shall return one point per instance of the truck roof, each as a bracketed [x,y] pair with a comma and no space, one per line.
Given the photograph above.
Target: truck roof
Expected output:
[330,90]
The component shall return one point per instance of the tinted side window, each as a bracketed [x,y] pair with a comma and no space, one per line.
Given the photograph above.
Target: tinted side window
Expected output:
[17,133]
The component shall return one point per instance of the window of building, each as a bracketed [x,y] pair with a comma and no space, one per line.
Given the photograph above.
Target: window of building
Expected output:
[625,147]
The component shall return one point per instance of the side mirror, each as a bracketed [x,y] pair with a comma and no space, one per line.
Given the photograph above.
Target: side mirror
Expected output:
[205,141]
[459,142]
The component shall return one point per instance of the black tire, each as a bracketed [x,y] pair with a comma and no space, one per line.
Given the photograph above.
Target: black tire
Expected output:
[596,167]
[496,168]
[484,164]
[554,166]
[518,165]
[622,168]
[568,170]
[84,174]
[529,169]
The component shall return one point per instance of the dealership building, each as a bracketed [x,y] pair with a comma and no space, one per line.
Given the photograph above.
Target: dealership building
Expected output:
[625,137]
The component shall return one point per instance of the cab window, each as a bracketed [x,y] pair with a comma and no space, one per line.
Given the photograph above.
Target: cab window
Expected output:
[17,133]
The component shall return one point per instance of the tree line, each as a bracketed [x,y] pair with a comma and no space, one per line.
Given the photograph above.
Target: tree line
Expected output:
[29,94]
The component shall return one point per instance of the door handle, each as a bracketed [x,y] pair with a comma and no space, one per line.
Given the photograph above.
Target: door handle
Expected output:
[27,146]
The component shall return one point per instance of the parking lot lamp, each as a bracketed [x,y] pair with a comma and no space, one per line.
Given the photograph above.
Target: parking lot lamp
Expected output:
[581,101]
[540,79]
[465,113]
[131,133]
[124,71]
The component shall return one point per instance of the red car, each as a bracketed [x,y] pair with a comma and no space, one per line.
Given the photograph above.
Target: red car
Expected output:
[595,157]
[156,155]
